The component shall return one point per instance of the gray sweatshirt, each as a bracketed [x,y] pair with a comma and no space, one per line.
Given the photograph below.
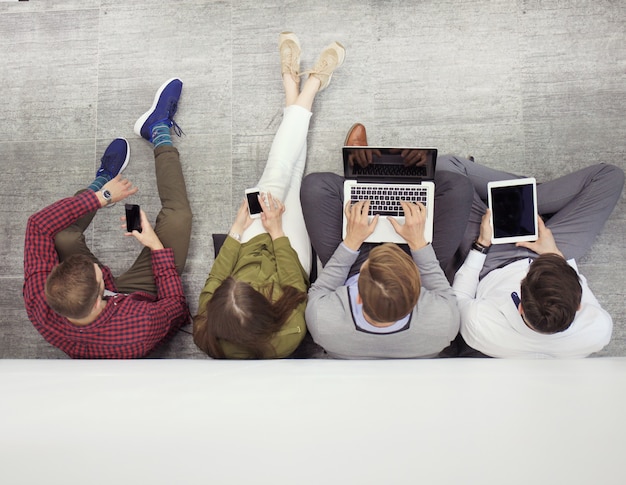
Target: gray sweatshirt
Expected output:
[433,325]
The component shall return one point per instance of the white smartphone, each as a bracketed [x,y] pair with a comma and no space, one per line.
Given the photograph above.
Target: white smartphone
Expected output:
[254,206]
[513,205]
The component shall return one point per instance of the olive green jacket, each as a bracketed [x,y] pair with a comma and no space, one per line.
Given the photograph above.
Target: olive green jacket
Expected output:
[259,262]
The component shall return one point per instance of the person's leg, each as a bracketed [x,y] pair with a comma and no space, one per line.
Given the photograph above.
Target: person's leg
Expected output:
[453,202]
[289,142]
[479,176]
[580,204]
[293,222]
[285,162]
[293,218]
[71,240]
[285,165]
[173,223]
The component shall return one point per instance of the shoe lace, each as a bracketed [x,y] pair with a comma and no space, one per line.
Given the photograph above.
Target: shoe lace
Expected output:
[177,129]
[107,161]
[172,110]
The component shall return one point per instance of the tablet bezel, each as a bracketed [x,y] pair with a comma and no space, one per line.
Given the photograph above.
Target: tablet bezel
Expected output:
[511,183]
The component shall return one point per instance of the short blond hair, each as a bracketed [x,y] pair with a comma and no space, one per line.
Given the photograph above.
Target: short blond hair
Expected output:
[389,284]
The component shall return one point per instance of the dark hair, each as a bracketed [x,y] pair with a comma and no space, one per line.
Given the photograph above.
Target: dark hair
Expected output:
[389,284]
[245,317]
[72,288]
[550,294]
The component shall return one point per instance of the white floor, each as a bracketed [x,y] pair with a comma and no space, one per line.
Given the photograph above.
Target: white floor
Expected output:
[454,421]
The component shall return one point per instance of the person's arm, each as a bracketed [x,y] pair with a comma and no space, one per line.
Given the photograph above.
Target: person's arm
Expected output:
[290,271]
[171,306]
[226,259]
[327,309]
[545,242]
[43,226]
[335,272]
[39,252]
[466,279]
[288,267]
[358,229]
[222,268]
[431,274]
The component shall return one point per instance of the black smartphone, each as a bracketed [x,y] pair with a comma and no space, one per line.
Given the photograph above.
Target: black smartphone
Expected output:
[133,218]
[254,207]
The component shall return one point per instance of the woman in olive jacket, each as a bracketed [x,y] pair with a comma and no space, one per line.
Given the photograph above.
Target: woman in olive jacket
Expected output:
[253,302]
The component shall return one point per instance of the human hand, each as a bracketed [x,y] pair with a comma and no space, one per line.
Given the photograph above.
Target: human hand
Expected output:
[119,187]
[362,157]
[415,158]
[545,243]
[412,231]
[358,226]
[242,219]
[486,230]
[272,216]
[147,236]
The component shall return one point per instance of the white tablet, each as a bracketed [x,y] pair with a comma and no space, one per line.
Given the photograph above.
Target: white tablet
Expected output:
[513,205]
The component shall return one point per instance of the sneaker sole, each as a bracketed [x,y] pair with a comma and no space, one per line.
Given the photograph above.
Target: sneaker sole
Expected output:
[342,50]
[127,155]
[143,118]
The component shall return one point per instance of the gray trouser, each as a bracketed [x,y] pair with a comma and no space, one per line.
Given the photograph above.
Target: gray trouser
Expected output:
[322,205]
[173,226]
[577,204]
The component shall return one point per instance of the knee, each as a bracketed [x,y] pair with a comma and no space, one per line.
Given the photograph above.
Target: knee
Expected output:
[452,163]
[66,241]
[614,177]
[312,185]
[182,222]
[456,186]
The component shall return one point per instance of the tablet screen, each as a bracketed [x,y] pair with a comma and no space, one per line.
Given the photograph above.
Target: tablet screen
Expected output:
[513,210]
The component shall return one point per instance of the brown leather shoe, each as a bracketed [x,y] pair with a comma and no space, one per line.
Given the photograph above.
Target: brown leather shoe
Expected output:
[356,137]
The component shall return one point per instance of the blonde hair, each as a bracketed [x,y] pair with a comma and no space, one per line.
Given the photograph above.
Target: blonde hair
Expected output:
[389,284]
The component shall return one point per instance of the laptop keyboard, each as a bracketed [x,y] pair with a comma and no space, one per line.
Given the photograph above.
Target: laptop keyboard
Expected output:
[390,170]
[385,199]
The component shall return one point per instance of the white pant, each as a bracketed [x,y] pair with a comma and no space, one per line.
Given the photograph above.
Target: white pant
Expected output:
[282,177]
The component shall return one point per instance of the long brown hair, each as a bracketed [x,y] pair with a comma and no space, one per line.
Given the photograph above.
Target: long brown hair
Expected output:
[243,316]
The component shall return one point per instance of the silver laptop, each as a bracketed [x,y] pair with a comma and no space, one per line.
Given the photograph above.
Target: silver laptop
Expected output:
[386,175]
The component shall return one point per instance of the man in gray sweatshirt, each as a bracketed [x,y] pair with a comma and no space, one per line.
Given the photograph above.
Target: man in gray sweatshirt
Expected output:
[377,301]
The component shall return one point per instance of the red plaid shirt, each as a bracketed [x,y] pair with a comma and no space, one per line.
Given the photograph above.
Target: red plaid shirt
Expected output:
[130,325]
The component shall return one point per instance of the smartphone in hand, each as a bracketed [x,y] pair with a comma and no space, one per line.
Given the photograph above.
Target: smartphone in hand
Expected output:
[133,218]
[254,206]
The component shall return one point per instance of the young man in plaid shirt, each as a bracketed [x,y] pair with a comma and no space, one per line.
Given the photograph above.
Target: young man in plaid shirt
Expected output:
[71,298]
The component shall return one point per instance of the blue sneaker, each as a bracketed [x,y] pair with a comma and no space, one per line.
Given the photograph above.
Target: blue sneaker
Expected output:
[163,109]
[115,158]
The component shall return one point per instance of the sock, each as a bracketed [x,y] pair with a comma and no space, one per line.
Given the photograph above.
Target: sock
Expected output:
[161,135]
[99,182]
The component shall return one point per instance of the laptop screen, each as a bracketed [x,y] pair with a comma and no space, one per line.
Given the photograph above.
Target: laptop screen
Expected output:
[389,164]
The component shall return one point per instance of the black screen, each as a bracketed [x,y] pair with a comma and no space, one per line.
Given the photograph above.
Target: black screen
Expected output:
[513,210]
[253,203]
[133,218]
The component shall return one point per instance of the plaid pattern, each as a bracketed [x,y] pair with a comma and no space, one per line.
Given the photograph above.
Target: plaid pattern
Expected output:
[130,326]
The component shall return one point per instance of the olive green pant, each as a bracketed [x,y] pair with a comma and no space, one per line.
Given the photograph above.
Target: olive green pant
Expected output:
[173,226]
